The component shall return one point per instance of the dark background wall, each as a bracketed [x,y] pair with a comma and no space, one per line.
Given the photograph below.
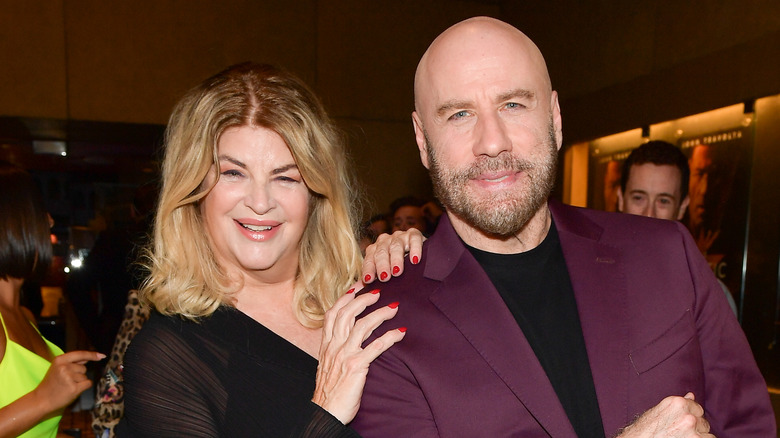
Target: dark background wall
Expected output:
[103,76]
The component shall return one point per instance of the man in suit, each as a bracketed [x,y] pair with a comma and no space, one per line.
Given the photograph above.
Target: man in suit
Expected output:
[530,318]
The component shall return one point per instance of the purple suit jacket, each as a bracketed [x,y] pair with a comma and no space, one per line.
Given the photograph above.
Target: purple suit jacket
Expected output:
[654,319]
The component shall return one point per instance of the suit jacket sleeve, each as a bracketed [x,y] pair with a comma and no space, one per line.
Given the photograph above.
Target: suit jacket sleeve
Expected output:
[736,401]
[393,389]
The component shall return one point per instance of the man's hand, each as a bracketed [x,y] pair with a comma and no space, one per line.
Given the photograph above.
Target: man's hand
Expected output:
[674,417]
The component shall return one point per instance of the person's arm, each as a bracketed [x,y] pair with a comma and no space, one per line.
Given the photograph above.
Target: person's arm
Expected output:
[162,382]
[672,417]
[385,258]
[63,382]
[394,404]
[343,363]
[736,402]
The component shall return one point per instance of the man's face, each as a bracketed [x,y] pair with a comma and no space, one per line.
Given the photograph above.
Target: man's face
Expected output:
[488,128]
[497,195]
[701,167]
[409,216]
[653,191]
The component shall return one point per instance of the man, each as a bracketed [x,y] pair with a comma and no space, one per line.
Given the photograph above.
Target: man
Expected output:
[407,213]
[654,183]
[530,318]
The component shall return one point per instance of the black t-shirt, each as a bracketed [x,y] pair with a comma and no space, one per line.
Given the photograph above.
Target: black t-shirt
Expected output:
[537,290]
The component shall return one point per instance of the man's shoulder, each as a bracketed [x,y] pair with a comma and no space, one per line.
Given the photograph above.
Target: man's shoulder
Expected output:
[611,225]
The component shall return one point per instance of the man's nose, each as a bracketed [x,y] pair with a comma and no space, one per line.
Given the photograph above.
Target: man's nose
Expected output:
[651,211]
[492,137]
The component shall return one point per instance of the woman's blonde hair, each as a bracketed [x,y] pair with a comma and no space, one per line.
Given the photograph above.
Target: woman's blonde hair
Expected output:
[185,278]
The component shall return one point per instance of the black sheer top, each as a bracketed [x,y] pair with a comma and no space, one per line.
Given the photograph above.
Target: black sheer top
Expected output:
[226,375]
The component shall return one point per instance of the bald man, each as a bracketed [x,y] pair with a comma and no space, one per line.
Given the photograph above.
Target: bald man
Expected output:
[529,318]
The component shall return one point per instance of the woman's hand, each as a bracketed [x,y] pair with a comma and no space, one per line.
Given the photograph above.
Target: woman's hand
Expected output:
[66,379]
[341,374]
[389,250]
[63,382]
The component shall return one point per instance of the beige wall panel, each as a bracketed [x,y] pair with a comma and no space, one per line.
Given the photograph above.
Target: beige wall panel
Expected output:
[369,50]
[32,77]
[131,60]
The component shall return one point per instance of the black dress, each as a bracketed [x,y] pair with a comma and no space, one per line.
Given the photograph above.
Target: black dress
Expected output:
[226,375]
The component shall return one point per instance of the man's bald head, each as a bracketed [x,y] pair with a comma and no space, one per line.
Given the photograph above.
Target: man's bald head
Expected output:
[458,49]
[488,128]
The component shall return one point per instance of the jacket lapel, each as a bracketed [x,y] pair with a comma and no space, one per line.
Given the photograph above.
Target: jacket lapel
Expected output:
[467,297]
[600,289]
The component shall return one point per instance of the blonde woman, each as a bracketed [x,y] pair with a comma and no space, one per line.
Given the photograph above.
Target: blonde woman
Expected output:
[254,240]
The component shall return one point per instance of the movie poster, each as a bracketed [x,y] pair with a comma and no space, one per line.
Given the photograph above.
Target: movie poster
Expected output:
[719,189]
[606,170]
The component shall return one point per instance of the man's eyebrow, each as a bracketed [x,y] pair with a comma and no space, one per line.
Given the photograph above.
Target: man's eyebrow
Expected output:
[519,93]
[451,105]
[232,160]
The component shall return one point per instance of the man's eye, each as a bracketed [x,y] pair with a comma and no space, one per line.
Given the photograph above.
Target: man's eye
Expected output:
[513,105]
[459,115]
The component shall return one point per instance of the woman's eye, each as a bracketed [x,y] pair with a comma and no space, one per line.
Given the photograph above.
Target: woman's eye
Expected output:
[285,178]
[232,172]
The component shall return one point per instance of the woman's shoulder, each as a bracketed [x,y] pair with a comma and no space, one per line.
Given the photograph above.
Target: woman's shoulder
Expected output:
[161,333]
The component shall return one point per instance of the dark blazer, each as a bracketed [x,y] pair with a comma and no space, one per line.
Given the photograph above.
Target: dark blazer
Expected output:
[654,320]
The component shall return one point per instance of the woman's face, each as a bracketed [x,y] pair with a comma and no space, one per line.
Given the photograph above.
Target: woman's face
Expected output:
[258,210]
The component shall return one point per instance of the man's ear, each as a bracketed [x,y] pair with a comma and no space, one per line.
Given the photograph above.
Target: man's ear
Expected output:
[620,199]
[683,207]
[419,136]
[556,118]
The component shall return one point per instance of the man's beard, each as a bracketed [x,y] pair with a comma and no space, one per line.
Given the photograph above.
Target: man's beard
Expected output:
[503,213]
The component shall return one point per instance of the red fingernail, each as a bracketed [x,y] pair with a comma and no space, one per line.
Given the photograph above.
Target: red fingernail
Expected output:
[375,291]
[402,329]
[396,270]
[415,260]
[367,278]
[351,290]
[393,305]
[383,276]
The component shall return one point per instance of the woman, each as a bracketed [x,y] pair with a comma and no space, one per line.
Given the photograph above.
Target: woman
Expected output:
[38,381]
[253,241]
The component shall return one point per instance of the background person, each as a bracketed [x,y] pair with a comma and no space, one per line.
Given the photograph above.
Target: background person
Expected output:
[654,182]
[406,213]
[37,381]
[254,240]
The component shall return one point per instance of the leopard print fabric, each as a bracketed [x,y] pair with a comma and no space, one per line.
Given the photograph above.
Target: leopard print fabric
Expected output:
[109,403]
